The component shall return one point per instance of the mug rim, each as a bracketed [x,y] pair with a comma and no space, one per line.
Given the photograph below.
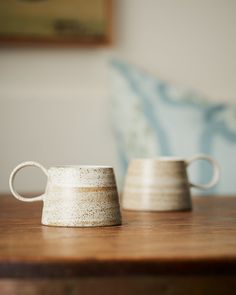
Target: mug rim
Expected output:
[82,166]
[164,159]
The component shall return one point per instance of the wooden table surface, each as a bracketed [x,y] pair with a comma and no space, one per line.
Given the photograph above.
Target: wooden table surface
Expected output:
[197,242]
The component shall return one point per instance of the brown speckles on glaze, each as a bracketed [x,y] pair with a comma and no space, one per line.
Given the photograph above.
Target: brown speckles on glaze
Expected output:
[79,207]
[81,196]
[79,176]
[76,195]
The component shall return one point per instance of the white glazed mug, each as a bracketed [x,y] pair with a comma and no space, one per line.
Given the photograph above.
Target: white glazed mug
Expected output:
[76,195]
[162,184]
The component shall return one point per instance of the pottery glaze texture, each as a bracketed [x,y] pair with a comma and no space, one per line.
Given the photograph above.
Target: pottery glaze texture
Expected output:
[81,196]
[75,195]
[153,185]
[162,184]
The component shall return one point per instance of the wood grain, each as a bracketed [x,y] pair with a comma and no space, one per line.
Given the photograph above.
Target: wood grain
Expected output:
[164,285]
[191,243]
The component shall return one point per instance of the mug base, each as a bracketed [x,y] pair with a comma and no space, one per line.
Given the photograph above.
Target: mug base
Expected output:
[153,210]
[79,224]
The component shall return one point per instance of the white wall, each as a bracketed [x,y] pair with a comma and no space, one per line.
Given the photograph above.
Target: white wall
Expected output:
[54,102]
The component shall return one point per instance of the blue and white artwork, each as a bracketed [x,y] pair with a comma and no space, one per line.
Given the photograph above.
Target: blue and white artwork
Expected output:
[153,118]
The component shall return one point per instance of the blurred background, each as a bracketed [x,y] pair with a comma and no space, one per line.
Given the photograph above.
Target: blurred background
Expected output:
[55,102]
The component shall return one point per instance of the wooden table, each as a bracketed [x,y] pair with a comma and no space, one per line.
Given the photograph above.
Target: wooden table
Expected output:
[150,252]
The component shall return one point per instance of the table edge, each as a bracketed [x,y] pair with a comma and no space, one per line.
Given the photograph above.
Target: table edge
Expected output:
[69,269]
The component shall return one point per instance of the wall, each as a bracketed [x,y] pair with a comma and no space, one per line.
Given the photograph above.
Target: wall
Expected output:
[54,102]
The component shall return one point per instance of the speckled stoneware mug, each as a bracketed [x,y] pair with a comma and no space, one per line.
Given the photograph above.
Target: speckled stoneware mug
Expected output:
[76,195]
[162,184]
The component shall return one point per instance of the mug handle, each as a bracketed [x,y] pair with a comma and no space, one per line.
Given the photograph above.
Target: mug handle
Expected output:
[12,177]
[216,171]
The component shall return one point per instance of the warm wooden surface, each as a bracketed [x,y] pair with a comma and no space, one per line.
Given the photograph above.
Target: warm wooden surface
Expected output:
[198,242]
[126,285]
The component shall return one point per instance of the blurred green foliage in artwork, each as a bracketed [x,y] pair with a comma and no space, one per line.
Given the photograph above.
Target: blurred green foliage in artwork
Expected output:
[53,18]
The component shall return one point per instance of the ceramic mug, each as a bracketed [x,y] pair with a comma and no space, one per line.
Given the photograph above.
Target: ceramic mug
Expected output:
[162,184]
[76,195]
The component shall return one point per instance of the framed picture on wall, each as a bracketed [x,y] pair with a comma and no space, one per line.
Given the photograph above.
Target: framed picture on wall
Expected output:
[56,22]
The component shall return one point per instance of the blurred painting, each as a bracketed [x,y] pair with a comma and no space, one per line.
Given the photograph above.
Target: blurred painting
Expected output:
[55,22]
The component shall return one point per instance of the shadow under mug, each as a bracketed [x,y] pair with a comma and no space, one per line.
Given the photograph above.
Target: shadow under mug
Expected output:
[76,195]
[161,184]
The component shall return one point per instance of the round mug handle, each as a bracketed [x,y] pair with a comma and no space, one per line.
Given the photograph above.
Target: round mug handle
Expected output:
[216,171]
[12,177]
